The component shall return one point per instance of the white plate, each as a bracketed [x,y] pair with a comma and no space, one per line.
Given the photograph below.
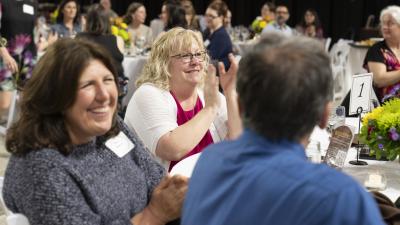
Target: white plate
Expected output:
[186,166]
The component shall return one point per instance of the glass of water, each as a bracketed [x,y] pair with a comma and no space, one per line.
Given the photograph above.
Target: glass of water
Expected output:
[139,43]
[313,151]
[337,117]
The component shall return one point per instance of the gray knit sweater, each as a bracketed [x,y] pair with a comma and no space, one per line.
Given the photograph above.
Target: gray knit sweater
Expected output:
[92,185]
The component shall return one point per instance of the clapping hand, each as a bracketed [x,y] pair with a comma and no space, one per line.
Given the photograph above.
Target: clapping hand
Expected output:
[228,78]
[167,198]
[211,86]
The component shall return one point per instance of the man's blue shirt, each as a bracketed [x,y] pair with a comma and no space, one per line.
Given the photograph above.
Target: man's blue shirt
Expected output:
[256,181]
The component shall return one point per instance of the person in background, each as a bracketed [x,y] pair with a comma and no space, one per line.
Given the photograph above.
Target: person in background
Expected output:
[17,23]
[68,20]
[279,25]
[310,25]
[228,20]
[267,16]
[98,29]
[217,40]
[135,17]
[106,4]
[67,165]
[177,109]
[190,14]
[383,58]
[264,177]
[173,15]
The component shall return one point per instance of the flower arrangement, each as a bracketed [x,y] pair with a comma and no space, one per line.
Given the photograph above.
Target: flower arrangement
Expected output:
[381,128]
[393,93]
[259,23]
[119,28]
[25,61]
[54,15]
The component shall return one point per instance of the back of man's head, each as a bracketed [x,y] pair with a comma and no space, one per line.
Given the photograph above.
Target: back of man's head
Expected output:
[284,86]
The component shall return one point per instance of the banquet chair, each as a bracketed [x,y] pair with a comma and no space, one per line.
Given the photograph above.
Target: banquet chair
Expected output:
[11,218]
[327,43]
[339,59]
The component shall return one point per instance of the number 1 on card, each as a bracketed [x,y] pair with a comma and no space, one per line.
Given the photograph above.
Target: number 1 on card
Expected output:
[360,94]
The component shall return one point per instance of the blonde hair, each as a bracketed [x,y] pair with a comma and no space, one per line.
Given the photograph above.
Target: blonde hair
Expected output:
[166,45]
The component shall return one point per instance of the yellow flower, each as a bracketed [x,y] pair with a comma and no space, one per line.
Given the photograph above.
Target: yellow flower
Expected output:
[262,24]
[114,30]
[124,26]
[123,34]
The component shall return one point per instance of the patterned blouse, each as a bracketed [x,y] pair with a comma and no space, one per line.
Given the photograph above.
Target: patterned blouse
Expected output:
[381,53]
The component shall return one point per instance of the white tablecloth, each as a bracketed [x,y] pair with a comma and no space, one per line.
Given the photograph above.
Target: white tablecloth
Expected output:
[360,173]
[390,169]
[132,67]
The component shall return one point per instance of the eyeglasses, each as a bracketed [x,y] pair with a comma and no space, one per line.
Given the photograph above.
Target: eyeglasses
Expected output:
[282,12]
[188,57]
[210,16]
[388,24]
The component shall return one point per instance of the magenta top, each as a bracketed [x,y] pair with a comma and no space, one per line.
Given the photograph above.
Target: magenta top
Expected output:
[183,117]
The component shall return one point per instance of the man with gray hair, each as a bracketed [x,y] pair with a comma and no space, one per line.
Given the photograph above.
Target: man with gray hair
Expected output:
[284,91]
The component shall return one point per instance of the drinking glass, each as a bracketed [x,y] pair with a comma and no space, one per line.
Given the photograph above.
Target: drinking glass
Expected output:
[139,43]
[313,151]
[336,118]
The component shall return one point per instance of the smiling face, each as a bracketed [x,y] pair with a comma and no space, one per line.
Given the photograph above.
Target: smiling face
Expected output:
[92,112]
[187,72]
[140,15]
[70,10]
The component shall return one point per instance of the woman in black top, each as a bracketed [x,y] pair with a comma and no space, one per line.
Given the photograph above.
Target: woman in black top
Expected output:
[98,29]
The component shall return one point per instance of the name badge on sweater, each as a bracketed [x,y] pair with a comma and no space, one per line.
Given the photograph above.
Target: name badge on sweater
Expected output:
[28,9]
[206,43]
[120,144]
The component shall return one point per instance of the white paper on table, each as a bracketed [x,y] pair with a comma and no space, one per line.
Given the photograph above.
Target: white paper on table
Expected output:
[186,166]
[360,93]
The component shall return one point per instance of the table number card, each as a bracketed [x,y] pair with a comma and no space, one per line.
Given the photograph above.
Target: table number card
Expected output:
[360,94]
[339,146]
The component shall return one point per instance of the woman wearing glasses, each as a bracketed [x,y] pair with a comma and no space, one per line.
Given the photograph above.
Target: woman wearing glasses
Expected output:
[216,37]
[177,109]
[383,58]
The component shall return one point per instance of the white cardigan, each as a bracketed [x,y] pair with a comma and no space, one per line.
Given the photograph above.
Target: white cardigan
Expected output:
[152,112]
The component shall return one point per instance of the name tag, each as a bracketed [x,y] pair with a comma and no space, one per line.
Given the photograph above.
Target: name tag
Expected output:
[28,9]
[206,43]
[120,144]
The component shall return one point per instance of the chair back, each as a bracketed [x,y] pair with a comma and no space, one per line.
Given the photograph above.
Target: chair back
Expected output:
[327,43]
[339,60]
